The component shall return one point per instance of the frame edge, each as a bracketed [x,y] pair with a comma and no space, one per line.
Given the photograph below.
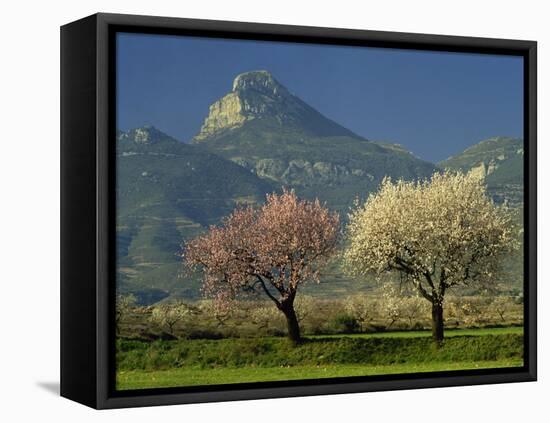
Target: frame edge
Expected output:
[78,215]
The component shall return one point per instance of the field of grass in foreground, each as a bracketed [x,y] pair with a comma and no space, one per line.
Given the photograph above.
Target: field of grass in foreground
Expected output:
[196,376]
[234,360]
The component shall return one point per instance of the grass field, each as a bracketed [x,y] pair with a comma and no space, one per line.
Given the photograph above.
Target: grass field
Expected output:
[237,360]
[197,376]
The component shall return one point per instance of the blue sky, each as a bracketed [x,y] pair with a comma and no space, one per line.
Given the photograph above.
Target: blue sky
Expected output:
[434,104]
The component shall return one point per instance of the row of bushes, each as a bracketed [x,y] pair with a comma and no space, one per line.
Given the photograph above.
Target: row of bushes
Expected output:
[357,313]
[276,352]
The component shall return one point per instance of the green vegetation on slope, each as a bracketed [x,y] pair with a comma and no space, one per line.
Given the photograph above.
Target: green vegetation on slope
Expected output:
[500,161]
[168,192]
[333,169]
[273,352]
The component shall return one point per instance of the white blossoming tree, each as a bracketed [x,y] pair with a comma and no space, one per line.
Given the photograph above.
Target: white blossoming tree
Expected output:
[437,233]
[167,316]
[362,308]
[124,306]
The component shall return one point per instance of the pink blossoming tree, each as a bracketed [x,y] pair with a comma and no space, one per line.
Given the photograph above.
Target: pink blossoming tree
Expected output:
[273,250]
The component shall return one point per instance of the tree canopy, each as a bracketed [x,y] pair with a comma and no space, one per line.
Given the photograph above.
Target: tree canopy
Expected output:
[437,233]
[272,249]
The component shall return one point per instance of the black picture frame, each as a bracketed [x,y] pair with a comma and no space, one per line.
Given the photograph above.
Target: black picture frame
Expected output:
[87,209]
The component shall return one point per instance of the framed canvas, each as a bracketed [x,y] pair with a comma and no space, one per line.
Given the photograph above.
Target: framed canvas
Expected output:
[258,211]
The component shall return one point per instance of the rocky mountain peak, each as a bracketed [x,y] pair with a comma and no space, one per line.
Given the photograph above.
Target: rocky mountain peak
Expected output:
[260,81]
[258,95]
[254,94]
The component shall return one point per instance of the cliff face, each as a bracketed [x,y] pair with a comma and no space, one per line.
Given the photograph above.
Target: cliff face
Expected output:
[251,94]
[226,113]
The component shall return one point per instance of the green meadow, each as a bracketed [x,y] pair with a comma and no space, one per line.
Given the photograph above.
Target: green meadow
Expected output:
[186,362]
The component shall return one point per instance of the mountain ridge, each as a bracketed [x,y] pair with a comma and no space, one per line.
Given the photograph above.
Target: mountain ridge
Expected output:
[272,133]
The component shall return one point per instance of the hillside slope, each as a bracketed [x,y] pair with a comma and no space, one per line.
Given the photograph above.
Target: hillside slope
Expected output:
[168,191]
[500,161]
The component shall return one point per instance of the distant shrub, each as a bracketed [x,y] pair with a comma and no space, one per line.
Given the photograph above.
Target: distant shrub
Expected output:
[204,334]
[124,306]
[345,323]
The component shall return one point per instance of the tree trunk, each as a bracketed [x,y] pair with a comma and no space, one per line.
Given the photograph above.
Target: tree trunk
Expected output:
[437,322]
[292,323]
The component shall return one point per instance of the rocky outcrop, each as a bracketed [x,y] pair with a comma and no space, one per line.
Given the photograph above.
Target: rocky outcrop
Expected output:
[499,160]
[302,172]
[253,94]
[259,81]
[145,135]
[485,169]
[226,113]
